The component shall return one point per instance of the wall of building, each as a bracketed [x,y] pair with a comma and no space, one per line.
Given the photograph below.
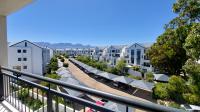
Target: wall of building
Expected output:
[33,54]
[112,54]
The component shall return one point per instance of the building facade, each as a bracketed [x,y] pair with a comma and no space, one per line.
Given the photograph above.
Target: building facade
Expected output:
[134,55]
[29,57]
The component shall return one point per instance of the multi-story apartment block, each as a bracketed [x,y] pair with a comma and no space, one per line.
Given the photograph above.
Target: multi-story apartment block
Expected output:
[135,55]
[97,53]
[29,57]
[111,54]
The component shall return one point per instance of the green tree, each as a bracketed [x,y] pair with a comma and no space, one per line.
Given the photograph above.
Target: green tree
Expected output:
[188,12]
[53,65]
[65,64]
[120,66]
[168,54]
[136,68]
[192,44]
[149,76]
[160,91]
[176,87]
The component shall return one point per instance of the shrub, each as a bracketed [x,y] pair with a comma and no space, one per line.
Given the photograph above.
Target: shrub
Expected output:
[120,66]
[53,76]
[149,76]
[160,91]
[136,68]
[174,105]
[192,98]
[66,55]
[60,57]
[176,87]
[31,102]
[112,70]
[62,60]
[65,64]
[53,65]
[134,77]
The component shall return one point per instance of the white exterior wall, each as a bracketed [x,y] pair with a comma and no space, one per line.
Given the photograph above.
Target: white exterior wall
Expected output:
[137,47]
[34,55]
[51,53]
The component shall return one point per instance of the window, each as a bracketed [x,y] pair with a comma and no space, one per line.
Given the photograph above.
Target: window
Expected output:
[138,56]
[18,51]
[19,59]
[117,55]
[24,51]
[146,64]
[24,67]
[24,59]
[132,52]
[25,44]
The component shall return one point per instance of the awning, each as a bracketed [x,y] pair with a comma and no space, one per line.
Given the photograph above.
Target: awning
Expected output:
[141,84]
[107,75]
[123,79]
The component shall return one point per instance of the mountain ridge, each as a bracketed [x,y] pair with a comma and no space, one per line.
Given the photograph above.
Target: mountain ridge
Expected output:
[62,45]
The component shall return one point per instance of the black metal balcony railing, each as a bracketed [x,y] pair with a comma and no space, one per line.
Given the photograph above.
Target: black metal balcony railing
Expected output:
[19,92]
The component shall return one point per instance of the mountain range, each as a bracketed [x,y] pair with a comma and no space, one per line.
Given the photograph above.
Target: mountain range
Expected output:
[62,45]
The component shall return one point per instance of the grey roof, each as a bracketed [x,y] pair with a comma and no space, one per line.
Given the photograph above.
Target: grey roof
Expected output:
[61,69]
[88,68]
[123,79]
[117,107]
[145,45]
[141,84]
[81,64]
[117,46]
[66,75]
[161,77]
[107,75]
[72,81]
[28,42]
[63,72]
[95,71]
[134,73]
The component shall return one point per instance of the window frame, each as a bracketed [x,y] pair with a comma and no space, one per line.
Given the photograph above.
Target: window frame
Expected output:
[19,51]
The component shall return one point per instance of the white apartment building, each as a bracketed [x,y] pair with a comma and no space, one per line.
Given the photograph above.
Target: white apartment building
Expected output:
[111,54]
[135,55]
[97,53]
[29,57]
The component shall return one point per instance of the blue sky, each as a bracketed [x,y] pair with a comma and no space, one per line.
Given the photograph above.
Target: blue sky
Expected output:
[94,22]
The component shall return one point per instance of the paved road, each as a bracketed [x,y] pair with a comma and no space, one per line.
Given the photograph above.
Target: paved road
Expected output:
[92,83]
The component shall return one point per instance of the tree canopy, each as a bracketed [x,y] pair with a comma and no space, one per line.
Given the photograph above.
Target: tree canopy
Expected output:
[178,48]
[168,54]
[120,66]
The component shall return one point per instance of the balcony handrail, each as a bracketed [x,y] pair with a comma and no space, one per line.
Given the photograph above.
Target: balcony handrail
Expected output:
[69,97]
[119,99]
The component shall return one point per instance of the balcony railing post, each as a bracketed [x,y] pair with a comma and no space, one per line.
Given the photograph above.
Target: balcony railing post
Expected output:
[49,100]
[1,86]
